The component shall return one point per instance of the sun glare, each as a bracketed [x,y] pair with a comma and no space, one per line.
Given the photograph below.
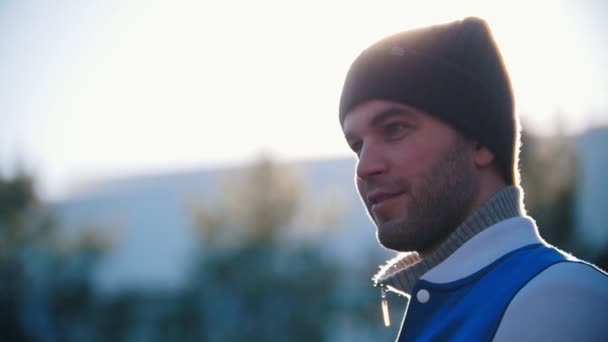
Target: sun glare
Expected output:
[140,86]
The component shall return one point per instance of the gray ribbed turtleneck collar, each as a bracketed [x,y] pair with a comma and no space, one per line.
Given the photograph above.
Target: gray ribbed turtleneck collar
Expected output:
[401,273]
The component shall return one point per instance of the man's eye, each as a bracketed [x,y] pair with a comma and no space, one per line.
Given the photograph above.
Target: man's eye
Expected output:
[355,146]
[394,128]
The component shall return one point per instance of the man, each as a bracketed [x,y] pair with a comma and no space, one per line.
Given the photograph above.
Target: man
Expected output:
[430,115]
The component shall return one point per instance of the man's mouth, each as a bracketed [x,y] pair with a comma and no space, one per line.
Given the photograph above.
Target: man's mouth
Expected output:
[377,197]
[384,205]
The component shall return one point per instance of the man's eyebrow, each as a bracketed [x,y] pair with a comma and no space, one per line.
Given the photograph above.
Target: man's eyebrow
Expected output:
[349,136]
[382,116]
[389,113]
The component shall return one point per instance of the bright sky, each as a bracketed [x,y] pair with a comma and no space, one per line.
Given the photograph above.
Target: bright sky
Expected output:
[106,88]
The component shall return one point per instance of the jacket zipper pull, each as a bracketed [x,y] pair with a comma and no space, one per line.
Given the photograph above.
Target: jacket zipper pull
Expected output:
[386,317]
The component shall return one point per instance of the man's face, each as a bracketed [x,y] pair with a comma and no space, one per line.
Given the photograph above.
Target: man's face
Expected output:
[415,174]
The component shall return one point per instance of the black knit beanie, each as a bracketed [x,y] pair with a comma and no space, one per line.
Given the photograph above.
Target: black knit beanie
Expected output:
[452,71]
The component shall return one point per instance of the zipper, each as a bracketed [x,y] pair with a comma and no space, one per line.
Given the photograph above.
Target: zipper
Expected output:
[386,317]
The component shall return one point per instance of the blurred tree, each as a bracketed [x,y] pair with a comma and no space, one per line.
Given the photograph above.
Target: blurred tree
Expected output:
[549,166]
[46,291]
[256,279]
[250,281]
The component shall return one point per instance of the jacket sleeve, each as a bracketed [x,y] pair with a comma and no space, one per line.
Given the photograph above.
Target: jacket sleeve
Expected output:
[566,302]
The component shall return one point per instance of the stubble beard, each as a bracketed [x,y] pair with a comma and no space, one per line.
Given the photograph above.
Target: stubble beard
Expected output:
[437,205]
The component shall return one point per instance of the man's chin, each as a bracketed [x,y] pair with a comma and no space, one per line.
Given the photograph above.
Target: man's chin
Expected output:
[392,244]
[391,239]
[387,220]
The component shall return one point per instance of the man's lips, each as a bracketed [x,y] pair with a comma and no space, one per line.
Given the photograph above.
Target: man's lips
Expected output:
[377,197]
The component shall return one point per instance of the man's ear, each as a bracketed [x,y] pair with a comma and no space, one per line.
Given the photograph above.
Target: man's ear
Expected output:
[482,156]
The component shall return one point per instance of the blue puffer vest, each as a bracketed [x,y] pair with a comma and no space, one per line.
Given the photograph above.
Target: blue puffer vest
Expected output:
[470,309]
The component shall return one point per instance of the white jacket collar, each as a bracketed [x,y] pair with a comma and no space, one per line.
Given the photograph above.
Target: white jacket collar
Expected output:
[484,248]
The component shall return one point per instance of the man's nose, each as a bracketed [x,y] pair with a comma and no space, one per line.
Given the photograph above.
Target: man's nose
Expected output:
[371,163]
